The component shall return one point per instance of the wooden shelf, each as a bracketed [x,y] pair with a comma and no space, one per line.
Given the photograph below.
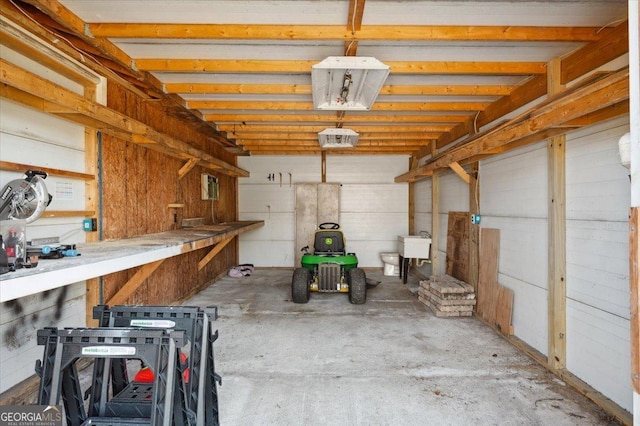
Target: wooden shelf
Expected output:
[106,257]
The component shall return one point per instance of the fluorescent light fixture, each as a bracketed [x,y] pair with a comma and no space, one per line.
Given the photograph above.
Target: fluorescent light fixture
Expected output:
[338,138]
[347,83]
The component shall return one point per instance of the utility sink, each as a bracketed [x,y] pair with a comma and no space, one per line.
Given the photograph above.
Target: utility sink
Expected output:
[414,246]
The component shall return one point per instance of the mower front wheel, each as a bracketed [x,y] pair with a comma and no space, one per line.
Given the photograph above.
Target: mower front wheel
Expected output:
[300,285]
[357,286]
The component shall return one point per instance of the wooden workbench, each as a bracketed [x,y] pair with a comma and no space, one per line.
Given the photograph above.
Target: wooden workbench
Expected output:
[105,257]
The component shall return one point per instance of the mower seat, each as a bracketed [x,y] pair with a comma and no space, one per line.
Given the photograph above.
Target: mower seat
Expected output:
[329,242]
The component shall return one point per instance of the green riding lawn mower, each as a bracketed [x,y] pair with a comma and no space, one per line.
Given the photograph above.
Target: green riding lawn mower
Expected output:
[330,269]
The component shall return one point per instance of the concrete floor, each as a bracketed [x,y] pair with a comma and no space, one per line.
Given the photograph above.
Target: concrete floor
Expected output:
[387,362]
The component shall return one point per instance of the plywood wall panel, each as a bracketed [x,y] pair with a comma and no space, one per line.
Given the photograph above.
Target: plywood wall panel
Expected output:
[139,184]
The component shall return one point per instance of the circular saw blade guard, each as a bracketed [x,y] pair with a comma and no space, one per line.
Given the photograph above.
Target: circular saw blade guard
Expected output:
[28,199]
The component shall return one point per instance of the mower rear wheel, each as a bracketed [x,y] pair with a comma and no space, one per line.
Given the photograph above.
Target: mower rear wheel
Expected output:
[357,286]
[300,285]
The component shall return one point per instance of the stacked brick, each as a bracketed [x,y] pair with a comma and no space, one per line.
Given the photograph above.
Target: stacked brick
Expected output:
[447,296]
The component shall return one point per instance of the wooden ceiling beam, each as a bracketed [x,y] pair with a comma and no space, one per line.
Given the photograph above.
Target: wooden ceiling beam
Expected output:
[257,66]
[340,32]
[371,117]
[305,89]
[613,44]
[566,106]
[308,150]
[308,106]
[397,128]
[531,90]
[252,144]
[61,28]
[314,136]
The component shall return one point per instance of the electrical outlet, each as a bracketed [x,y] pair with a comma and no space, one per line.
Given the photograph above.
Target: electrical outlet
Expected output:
[475,219]
[90,225]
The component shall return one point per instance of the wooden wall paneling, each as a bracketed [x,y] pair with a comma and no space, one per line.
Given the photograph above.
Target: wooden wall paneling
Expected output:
[139,186]
[488,273]
[458,245]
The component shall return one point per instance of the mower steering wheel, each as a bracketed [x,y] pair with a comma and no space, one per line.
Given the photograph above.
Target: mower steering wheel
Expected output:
[329,225]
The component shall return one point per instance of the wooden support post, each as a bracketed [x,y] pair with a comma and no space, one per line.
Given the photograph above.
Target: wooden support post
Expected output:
[413,163]
[130,286]
[634,220]
[323,166]
[634,281]
[474,230]
[435,218]
[213,252]
[557,299]
[92,197]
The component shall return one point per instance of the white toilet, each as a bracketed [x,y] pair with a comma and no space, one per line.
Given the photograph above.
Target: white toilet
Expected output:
[391,264]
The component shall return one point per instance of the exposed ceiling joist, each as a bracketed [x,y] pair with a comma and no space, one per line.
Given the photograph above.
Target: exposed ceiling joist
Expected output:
[219,70]
[340,32]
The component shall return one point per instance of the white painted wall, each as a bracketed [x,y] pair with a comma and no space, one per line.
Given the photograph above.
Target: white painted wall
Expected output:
[374,209]
[33,138]
[598,329]
[513,199]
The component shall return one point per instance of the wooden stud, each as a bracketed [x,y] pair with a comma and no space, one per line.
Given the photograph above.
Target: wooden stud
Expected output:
[634,281]
[323,166]
[435,218]
[92,202]
[474,231]
[557,300]
[413,163]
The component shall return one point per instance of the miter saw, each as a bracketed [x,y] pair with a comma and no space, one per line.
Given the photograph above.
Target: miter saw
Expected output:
[22,200]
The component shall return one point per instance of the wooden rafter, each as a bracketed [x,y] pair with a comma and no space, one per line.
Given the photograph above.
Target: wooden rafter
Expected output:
[386,128]
[53,22]
[371,117]
[304,66]
[340,32]
[305,89]
[308,106]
